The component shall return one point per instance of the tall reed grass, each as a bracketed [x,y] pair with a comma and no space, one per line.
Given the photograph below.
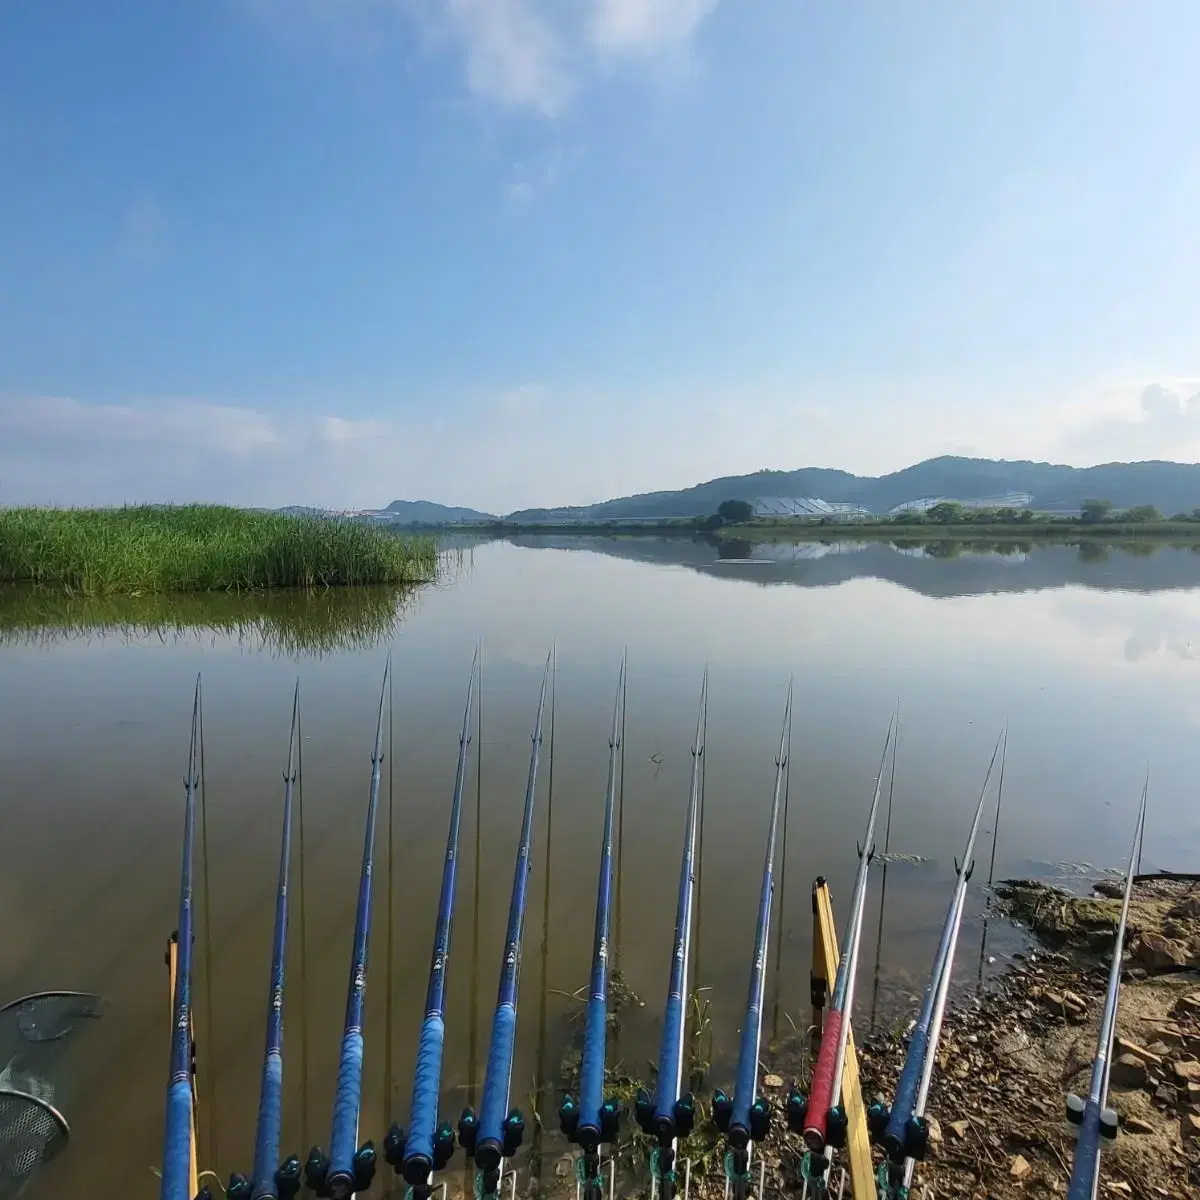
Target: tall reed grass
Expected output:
[202,548]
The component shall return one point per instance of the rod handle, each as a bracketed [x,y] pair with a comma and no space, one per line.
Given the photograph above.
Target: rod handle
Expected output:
[494,1103]
[1087,1151]
[270,1122]
[747,1069]
[424,1113]
[591,1074]
[669,1058]
[820,1097]
[177,1142]
[895,1136]
[346,1101]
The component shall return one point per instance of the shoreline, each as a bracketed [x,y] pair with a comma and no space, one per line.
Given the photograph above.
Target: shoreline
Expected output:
[1164,533]
[1008,1056]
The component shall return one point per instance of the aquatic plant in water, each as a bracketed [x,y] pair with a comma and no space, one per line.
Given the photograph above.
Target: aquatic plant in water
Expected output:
[202,548]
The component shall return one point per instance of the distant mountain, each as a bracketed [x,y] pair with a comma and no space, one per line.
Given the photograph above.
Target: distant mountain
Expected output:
[1170,487]
[426,512]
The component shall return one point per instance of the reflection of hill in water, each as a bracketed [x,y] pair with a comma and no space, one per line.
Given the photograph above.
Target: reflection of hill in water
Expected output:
[292,622]
[949,570]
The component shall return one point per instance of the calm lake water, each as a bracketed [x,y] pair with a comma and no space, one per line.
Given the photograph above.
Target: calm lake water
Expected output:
[1092,661]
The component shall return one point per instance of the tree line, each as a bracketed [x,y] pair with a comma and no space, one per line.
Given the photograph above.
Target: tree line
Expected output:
[950,512]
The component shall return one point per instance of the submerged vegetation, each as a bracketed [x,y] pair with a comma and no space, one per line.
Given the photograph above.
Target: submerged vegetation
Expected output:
[200,548]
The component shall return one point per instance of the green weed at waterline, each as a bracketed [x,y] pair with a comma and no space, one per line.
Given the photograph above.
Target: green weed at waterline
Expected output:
[202,548]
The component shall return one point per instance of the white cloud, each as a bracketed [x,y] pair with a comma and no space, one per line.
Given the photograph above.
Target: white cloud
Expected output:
[526,55]
[1160,420]
[645,26]
[535,54]
[536,445]
[514,54]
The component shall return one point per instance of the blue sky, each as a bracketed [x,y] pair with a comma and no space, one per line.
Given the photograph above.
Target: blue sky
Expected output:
[502,252]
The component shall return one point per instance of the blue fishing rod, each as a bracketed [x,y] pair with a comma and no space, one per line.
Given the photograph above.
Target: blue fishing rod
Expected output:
[1095,1122]
[496,1132]
[348,1170]
[904,1130]
[427,1146]
[668,1115]
[746,1117]
[821,1118]
[178,1169]
[594,1120]
[273,1180]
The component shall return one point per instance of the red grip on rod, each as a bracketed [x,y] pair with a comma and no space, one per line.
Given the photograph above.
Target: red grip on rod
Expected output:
[820,1098]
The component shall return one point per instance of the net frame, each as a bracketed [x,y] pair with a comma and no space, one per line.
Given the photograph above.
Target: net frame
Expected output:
[33,1129]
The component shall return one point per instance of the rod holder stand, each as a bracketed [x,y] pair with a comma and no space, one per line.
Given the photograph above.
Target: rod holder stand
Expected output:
[797,1109]
[287,1178]
[394,1144]
[316,1172]
[1109,1122]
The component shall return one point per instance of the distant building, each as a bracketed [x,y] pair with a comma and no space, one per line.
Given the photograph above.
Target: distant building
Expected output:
[925,503]
[807,506]
[814,506]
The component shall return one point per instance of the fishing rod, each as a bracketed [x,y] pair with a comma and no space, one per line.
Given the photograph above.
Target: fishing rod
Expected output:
[903,1130]
[1096,1124]
[781,926]
[428,1146]
[668,1115]
[273,1180]
[746,1118]
[594,1120]
[537,1160]
[887,846]
[347,1170]
[178,1172]
[992,865]
[495,1133]
[822,1117]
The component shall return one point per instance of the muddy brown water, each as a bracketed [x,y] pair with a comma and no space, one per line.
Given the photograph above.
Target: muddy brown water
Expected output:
[1093,662]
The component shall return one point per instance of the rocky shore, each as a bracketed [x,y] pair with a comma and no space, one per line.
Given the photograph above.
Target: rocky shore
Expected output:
[1008,1057]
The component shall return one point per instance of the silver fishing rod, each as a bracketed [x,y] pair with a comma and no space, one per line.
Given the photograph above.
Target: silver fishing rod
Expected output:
[1096,1123]
[904,1130]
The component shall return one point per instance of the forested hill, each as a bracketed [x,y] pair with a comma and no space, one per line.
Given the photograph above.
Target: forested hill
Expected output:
[425,512]
[1170,487]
